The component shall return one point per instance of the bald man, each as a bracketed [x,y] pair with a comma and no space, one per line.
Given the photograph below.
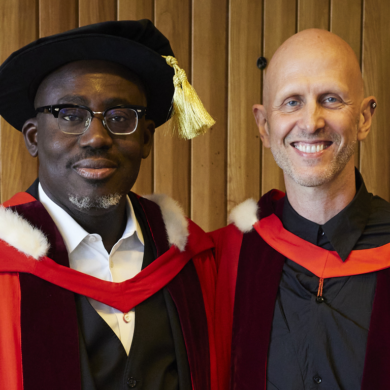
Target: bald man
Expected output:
[303,295]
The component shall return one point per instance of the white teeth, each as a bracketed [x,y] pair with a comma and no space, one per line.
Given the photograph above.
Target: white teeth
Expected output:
[310,148]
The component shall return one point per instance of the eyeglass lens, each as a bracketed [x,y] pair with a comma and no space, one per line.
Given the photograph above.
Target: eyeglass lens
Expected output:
[75,120]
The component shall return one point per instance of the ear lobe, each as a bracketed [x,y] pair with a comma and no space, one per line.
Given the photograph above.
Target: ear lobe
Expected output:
[367,111]
[260,115]
[148,135]
[30,134]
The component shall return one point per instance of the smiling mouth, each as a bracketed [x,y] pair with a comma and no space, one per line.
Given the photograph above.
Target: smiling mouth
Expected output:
[95,169]
[311,147]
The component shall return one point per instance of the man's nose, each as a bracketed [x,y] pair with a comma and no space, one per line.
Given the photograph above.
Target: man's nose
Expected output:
[96,136]
[312,118]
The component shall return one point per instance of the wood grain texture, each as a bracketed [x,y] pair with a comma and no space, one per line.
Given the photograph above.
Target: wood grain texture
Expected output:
[172,156]
[57,16]
[245,46]
[18,27]
[350,10]
[135,10]
[374,153]
[96,11]
[209,75]
[280,19]
[313,14]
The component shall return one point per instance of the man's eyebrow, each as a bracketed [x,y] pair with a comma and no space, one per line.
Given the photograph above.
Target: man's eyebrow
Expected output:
[83,101]
[73,99]
[296,90]
[112,102]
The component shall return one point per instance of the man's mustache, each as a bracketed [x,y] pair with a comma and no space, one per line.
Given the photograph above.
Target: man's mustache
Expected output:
[90,153]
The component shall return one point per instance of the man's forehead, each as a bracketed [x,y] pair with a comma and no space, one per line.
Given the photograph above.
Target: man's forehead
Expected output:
[74,73]
[311,54]
[309,69]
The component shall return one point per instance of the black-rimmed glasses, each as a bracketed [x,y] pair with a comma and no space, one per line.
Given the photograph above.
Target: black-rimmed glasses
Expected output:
[74,119]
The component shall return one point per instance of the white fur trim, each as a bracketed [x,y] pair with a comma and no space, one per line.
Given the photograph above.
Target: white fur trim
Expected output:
[244,215]
[18,232]
[175,221]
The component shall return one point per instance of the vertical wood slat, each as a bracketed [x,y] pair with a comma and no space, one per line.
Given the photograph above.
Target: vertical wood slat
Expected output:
[171,155]
[279,24]
[313,14]
[209,75]
[57,16]
[245,37]
[374,153]
[96,11]
[135,10]
[18,27]
[351,11]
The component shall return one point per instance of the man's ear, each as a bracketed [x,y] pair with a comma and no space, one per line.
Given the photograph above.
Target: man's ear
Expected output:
[261,120]
[149,130]
[30,134]
[367,110]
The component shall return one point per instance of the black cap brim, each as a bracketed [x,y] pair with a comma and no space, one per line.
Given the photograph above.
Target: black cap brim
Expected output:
[22,73]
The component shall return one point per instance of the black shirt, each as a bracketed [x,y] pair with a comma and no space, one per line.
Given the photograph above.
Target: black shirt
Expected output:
[322,345]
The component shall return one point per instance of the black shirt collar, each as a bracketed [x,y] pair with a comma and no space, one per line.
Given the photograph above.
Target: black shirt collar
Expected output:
[340,233]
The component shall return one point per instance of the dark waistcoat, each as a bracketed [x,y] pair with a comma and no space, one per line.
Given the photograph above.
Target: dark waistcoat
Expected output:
[157,358]
[258,276]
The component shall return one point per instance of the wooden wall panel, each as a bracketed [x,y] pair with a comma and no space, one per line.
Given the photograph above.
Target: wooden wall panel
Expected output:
[245,46]
[350,10]
[57,16]
[283,14]
[375,151]
[95,11]
[135,10]
[209,75]
[313,14]
[172,156]
[217,43]
[18,27]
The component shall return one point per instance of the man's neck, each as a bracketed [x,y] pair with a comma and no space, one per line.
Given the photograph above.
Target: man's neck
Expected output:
[110,226]
[320,204]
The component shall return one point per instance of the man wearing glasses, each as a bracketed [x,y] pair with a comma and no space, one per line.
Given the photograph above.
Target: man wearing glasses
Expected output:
[100,288]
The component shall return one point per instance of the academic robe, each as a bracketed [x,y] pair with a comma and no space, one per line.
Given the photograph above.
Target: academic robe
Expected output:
[37,300]
[250,254]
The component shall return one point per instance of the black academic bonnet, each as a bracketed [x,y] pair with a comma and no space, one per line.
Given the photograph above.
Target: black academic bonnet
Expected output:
[138,45]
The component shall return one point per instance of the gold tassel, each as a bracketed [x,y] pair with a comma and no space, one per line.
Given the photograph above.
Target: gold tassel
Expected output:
[189,117]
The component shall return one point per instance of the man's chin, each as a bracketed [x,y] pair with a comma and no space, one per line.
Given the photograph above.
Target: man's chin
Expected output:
[86,203]
[313,177]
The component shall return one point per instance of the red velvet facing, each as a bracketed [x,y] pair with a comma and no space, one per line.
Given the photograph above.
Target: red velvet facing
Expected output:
[258,276]
[156,225]
[186,293]
[50,353]
[377,360]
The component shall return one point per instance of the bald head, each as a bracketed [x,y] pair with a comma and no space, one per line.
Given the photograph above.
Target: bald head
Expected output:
[310,52]
[314,111]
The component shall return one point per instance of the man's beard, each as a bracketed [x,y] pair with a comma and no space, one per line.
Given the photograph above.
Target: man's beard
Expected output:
[308,179]
[100,202]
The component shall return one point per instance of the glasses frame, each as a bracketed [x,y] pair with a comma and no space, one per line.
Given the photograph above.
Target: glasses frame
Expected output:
[56,108]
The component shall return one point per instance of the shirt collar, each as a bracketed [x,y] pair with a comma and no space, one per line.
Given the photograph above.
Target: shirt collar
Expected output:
[343,230]
[73,233]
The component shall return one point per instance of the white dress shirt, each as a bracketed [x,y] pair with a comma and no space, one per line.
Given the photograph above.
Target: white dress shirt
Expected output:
[88,255]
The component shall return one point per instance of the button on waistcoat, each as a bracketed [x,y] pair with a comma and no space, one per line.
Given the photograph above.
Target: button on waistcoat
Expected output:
[157,359]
